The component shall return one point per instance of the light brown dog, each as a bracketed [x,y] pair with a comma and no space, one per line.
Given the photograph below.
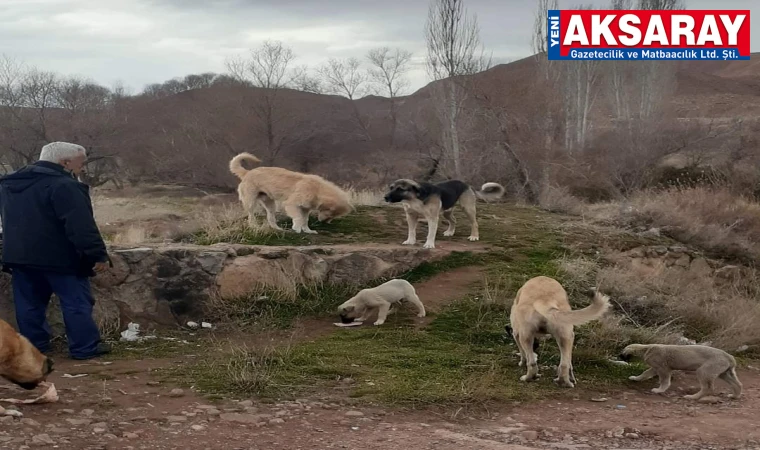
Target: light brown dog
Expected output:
[298,193]
[20,361]
[541,307]
[709,363]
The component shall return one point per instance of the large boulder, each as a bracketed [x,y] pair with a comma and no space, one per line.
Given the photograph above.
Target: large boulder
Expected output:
[168,285]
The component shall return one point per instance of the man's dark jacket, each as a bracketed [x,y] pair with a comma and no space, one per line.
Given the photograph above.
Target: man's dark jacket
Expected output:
[48,222]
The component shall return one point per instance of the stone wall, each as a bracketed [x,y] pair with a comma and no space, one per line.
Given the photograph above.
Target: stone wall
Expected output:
[168,285]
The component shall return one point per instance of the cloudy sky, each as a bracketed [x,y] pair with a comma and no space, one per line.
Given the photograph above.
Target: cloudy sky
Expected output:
[144,41]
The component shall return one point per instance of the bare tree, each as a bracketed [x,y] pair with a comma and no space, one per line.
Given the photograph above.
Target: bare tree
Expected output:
[387,71]
[347,77]
[454,50]
[268,68]
[303,80]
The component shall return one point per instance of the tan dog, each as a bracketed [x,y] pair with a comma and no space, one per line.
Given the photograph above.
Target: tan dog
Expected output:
[709,363]
[298,193]
[20,361]
[425,201]
[380,298]
[541,307]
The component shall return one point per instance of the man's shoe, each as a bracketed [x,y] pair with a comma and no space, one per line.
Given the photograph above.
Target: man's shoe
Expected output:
[102,349]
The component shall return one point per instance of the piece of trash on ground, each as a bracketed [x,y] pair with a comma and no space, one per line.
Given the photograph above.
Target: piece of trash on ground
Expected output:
[49,396]
[77,375]
[206,325]
[352,324]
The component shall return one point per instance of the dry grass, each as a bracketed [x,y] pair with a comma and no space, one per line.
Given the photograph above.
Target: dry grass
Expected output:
[722,311]
[131,235]
[558,199]
[714,219]
[365,197]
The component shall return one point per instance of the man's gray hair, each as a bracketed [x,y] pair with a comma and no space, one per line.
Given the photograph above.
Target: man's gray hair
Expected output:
[56,152]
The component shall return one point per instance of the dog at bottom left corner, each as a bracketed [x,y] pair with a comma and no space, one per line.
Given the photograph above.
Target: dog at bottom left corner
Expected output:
[20,361]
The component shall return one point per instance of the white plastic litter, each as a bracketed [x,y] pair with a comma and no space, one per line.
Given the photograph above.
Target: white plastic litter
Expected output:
[206,325]
[192,324]
[343,325]
[132,333]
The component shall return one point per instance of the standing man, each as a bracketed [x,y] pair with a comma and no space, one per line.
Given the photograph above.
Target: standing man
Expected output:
[51,244]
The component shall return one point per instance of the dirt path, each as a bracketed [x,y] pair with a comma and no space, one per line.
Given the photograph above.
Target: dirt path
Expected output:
[121,405]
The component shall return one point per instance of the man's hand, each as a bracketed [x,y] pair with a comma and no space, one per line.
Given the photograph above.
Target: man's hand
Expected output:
[101,267]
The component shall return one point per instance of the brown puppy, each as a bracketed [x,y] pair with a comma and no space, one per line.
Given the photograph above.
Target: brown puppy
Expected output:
[541,307]
[20,361]
[298,193]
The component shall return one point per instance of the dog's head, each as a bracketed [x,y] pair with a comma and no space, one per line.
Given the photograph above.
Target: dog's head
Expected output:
[628,352]
[403,189]
[25,366]
[331,209]
[349,311]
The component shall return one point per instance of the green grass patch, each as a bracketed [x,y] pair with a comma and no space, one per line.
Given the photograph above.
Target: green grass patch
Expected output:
[363,225]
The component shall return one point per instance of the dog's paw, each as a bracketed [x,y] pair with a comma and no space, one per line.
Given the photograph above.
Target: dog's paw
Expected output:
[564,383]
[408,242]
[448,233]
[524,378]
[473,238]
[521,363]
[309,231]
[657,391]
[428,245]
[421,315]
[633,378]
[692,397]
[734,397]
[379,322]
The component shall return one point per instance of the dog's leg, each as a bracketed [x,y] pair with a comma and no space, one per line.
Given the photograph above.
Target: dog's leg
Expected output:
[730,377]
[270,207]
[523,358]
[449,216]
[565,344]
[706,377]
[664,376]
[432,221]
[413,299]
[645,375]
[300,218]
[365,315]
[411,220]
[468,202]
[382,313]
[526,344]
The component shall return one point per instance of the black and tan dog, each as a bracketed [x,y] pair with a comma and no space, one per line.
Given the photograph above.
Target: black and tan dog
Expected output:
[20,361]
[425,201]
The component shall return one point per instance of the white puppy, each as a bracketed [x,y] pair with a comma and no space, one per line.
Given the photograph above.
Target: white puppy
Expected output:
[360,306]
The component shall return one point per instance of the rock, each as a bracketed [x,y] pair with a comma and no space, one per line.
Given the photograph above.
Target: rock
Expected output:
[42,439]
[529,435]
[87,412]
[171,285]
[176,419]
[153,383]
[742,348]
[176,393]
[197,427]
[599,399]
[246,403]
[13,413]
[128,435]
[213,412]
[276,421]
[30,422]
[730,273]
[700,267]
[211,262]
[632,435]
[245,418]
[79,422]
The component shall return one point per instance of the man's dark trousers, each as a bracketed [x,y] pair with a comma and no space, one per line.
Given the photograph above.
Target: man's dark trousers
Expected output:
[32,290]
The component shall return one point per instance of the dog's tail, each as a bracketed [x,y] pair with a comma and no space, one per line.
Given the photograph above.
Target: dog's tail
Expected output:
[595,310]
[236,165]
[490,191]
